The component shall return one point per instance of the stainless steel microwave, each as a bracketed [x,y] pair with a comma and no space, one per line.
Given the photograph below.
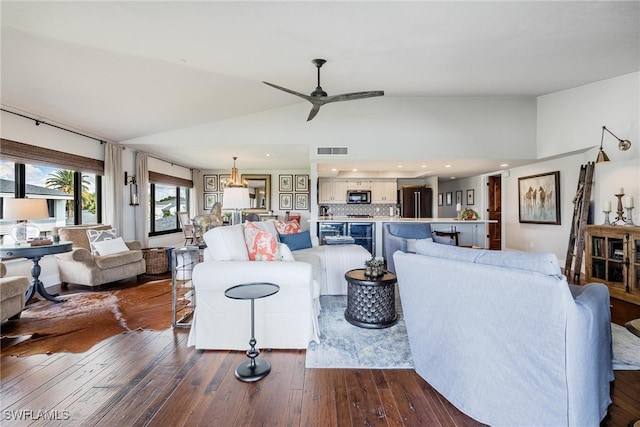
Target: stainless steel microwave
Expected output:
[358,196]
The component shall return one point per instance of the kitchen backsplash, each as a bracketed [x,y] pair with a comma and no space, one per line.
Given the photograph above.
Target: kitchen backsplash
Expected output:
[373,210]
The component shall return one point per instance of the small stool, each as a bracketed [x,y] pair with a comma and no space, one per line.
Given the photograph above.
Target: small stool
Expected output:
[254,369]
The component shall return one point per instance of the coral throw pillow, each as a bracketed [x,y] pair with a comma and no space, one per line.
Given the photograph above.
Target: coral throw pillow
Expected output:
[262,246]
[290,227]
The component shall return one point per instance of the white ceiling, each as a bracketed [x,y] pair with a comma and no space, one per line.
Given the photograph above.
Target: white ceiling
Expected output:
[123,70]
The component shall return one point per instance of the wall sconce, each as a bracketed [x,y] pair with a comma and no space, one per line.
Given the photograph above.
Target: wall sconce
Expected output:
[133,189]
[623,145]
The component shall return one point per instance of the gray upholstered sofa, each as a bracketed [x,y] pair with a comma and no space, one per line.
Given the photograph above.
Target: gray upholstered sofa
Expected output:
[81,267]
[12,294]
[504,338]
[398,236]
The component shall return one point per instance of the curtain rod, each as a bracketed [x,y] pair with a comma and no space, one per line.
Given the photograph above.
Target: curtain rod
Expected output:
[42,122]
[39,122]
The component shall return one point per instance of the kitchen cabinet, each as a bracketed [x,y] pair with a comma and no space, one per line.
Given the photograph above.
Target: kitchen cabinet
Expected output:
[613,257]
[358,184]
[332,191]
[384,191]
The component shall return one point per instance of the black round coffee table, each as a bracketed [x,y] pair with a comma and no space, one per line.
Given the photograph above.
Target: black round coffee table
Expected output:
[371,301]
[254,369]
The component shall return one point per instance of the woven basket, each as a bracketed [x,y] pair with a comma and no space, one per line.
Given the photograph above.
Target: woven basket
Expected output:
[157,260]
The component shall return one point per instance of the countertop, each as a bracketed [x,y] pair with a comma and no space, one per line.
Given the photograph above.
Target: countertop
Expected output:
[336,218]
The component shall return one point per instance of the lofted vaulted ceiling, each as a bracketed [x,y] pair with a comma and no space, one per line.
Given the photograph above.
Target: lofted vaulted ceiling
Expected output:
[125,70]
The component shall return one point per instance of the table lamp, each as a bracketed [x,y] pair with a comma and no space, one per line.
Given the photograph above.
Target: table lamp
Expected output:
[235,198]
[23,210]
[236,195]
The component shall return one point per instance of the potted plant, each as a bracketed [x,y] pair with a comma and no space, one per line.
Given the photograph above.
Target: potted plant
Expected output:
[374,267]
[468,215]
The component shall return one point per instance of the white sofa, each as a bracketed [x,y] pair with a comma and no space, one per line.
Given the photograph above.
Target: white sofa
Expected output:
[288,319]
[504,338]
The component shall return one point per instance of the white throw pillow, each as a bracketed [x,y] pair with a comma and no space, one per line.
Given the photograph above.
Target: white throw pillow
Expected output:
[111,246]
[226,243]
[285,252]
[98,236]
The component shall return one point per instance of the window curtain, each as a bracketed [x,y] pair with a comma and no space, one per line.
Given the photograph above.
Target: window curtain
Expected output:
[197,204]
[114,187]
[142,211]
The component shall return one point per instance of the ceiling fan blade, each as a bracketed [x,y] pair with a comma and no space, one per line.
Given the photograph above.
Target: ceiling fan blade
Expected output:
[354,95]
[314,111]
[293,92]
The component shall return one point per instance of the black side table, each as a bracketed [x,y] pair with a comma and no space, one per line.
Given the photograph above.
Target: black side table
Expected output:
[371,301]
[254,369]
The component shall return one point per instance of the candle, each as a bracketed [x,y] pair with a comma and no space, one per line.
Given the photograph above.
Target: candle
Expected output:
[607,206]
[621,191]
[628,202]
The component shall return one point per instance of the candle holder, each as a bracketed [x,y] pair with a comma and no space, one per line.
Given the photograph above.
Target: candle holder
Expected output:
[620,211]
[629,220]
[606,218]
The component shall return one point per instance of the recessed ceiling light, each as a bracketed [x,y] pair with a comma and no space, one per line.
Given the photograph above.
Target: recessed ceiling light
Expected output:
[399,166]
[504,165]
[423,166]
[447,166]
[453,177]
[354,170]
[333,169]
[268,155]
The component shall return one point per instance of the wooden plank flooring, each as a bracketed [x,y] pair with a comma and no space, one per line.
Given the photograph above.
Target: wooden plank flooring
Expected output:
[152,378]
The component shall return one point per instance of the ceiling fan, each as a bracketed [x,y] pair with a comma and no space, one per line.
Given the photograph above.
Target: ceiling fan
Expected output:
[319,97]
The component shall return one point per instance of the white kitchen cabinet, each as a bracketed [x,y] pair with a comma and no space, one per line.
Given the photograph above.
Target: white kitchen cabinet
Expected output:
[332,191]
[358,184]
[384,191]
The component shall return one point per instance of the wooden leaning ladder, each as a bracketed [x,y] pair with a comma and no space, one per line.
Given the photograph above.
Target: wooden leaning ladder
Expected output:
[581,203]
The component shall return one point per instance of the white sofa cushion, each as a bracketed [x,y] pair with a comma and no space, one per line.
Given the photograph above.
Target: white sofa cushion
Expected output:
[227,243]
[544,263]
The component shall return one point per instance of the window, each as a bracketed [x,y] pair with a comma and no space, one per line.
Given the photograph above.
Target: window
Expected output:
[73,197]
[165,202]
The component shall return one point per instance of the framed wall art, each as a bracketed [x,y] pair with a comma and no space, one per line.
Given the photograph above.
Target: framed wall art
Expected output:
[440,199]
[539,198]
[210,183]
[223,180]
[210,199]
[302,183]
[286,201]
[458,196]
[302,201]
[449,198]
[285,183]
[470,197]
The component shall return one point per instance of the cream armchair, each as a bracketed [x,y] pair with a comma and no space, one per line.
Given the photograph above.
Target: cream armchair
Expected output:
[81,267]
[12,294]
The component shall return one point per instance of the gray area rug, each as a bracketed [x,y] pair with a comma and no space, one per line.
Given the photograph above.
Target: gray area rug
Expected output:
[343,345]
[626,349]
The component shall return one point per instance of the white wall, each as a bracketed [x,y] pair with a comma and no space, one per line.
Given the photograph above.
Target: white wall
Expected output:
[571,120]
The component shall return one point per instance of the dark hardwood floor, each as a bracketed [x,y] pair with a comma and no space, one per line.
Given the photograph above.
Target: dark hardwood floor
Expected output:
[153,378]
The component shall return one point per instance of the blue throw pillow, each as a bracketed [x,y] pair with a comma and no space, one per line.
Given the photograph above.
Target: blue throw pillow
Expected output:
[295,241]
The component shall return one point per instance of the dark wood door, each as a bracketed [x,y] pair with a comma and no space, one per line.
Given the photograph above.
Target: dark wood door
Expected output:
[495,211]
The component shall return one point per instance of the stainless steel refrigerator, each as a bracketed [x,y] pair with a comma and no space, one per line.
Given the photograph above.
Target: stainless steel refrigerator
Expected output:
[416,201]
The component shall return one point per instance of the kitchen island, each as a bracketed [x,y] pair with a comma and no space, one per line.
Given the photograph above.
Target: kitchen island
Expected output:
[471,233]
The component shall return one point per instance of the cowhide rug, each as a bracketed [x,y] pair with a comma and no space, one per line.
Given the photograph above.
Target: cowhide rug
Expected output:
[87,318]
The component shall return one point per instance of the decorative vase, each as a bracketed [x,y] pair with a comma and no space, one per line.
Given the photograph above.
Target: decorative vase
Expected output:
[373,271]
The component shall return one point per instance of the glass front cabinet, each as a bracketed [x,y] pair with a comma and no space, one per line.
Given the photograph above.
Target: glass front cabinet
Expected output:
[613,258]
